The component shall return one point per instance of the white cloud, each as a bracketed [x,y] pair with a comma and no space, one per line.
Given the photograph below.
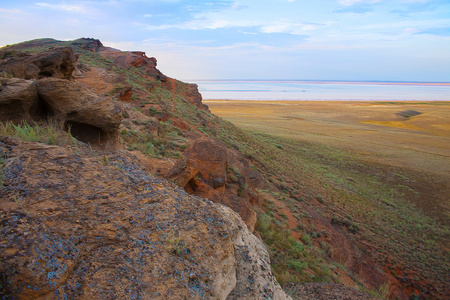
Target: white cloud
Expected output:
[363,2]
[71,8]
[284,26]
[354,2]
[200,23]
[10,11]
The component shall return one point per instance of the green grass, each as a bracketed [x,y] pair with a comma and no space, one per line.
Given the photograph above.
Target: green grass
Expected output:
[50,134]
[377,204]
[291,260]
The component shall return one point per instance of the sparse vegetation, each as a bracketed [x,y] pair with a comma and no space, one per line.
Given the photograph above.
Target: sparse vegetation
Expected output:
[375,202]
[48,134]
[292,260]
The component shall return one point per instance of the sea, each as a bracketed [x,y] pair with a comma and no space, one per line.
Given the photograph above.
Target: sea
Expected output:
[322,90]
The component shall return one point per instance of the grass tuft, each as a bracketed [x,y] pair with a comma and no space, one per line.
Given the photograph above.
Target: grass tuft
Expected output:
[50,134]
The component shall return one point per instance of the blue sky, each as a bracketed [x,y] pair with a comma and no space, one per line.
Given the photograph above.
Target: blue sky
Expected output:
[405,40]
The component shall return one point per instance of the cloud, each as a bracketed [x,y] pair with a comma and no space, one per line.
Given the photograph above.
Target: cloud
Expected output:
[409,7]
[10,11]
[358,2]
[442,31]
[64,7]
[285,26]
[358,9]
[199,24]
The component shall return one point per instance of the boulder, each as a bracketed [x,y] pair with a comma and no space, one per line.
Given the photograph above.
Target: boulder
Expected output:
[57,62]
[90,118]
[17,98]
[203,173]
[81,224]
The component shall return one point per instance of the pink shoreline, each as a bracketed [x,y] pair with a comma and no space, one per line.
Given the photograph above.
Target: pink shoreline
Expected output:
[338,82]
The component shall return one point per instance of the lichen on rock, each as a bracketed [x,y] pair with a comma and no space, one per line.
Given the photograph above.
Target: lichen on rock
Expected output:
[81,224]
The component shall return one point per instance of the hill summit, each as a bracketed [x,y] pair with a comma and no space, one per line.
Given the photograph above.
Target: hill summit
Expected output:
[84,218]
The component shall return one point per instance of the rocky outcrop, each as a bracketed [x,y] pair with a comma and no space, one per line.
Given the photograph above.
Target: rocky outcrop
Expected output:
[17,98]
[79,224]
[93,45]
[89,117]
[58,63]
[135,59]
[204,173]
[188,90]
[193,95]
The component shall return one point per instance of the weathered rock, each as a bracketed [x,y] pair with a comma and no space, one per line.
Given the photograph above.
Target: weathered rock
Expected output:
[188,90]
[17,98]
[135,59]
[126,93]
[209,158]
[194,96]
[204,173]
[91,44]
[80,224]
[58,63]
[91,118]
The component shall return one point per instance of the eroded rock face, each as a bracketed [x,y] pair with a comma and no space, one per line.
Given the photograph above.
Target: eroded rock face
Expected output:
[79,224]
[17,98]
[58,63]
[204,173]
[135,59]
[91,118]
[190,92]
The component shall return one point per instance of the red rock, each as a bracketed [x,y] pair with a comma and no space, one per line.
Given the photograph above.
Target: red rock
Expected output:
[204,173]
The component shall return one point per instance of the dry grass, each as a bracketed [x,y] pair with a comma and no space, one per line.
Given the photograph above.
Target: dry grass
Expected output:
[373,130]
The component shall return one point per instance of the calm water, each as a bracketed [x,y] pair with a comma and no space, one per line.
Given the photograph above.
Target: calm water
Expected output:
[319,90]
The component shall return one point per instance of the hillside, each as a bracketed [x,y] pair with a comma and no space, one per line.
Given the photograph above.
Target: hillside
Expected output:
[119,125]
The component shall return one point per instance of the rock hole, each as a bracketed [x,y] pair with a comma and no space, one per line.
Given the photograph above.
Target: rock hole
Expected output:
[86,133]
[44,74]
[191,186]
[42,110]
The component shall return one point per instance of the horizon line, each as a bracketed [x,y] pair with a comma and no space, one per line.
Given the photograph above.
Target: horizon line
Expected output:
[321,80]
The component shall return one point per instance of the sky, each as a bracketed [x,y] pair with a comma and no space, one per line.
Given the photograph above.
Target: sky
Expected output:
[394,40]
